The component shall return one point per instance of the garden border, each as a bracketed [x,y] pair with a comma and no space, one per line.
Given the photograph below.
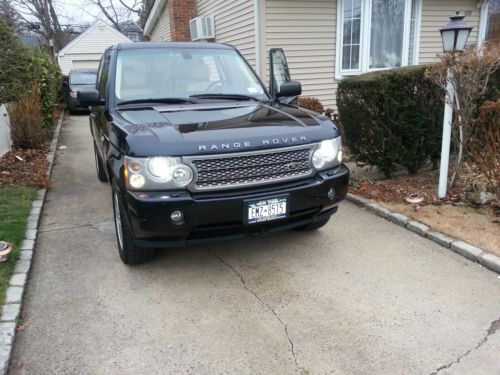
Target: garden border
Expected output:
[471,252]
[11,310]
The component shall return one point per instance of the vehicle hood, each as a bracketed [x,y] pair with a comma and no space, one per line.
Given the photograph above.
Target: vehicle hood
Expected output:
[213,128]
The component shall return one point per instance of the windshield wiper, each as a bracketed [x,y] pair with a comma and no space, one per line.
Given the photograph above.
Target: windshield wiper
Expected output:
[224,96]
[157,100]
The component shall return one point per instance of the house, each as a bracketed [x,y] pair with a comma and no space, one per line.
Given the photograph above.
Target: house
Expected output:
[131,30]
[326,40]
[30,40]
[85,51]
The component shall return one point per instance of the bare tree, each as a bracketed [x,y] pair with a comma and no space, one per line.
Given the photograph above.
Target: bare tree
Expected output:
[10,15]
[118,11]
[43,14]
[146,8]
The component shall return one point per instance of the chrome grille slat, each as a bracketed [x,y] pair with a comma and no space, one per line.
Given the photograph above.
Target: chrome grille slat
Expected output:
[250,168]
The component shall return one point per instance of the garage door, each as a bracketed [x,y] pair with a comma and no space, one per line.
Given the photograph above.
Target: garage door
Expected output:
[85,64]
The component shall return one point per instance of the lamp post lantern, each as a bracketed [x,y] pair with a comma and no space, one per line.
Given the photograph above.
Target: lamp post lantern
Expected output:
[454,35]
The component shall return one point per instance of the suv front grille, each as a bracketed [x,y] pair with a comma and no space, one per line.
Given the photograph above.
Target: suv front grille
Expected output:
[251,168]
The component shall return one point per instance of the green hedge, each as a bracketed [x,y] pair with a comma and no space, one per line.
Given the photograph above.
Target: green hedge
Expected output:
[493,90]
[20,67]
[15,66]
[49,78]
[392,117]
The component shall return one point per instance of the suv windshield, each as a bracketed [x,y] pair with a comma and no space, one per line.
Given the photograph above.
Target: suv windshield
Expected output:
[183,72]
[80,78]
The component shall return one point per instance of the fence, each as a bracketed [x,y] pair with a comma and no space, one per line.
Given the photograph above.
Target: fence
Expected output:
[5,140]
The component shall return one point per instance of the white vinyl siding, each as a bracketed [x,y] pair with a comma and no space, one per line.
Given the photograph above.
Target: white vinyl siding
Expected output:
[72,60]
[86,64]
[161,31]
[435,14]
[234,23]
[306,30]
[89,47]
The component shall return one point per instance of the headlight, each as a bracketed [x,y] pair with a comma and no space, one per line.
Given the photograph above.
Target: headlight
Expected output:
[183,175]
[157,173]
[161,169]
[328,154]
[137,181]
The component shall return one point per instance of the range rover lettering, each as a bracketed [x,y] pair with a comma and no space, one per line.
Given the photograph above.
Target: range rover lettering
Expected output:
[196,149]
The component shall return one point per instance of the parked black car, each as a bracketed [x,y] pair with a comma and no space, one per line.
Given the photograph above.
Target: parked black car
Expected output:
[78,80]
[196,149]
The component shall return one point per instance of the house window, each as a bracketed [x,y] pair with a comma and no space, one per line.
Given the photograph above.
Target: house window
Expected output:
[377,34]
[351,36]
[493,22]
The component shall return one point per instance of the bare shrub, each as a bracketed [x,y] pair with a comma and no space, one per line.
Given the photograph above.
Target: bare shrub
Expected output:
[471,73]
[312,104]
[484,145]
[26,120]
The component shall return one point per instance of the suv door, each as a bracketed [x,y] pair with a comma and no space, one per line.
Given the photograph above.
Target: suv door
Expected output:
[97,115]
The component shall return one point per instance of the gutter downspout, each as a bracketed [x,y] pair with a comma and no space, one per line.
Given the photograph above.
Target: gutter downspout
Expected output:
[256,12]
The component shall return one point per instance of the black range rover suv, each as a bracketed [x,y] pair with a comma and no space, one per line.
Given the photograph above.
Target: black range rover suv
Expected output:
[196,148]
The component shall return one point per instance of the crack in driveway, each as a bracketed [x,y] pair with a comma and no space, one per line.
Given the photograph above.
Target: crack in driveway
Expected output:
[95,225]
[494,327]
[251,291]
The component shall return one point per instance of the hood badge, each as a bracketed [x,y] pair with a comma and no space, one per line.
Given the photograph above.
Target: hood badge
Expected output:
[245,144]
[293,166]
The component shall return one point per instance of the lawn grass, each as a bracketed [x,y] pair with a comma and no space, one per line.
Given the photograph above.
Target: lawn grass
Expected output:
[15,206]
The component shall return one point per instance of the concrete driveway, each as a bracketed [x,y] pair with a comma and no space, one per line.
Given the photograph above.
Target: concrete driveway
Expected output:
[361,296]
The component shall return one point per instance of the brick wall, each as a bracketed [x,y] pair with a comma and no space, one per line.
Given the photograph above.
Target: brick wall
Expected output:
[181,11]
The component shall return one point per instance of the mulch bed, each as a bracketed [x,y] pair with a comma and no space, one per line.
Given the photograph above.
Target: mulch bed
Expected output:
[423,185]
[25,168]
[399,188]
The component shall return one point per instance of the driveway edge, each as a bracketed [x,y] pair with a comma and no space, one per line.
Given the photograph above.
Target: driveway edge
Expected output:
[11,310]
[471,252]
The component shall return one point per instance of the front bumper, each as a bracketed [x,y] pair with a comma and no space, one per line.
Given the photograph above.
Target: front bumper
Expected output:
[74,103]
[216,216]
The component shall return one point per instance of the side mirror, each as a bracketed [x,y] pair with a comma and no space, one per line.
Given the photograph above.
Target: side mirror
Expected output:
[279,72]
[290,88]
[89,97]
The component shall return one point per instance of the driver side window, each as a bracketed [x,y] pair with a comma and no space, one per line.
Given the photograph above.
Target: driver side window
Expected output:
[102,80]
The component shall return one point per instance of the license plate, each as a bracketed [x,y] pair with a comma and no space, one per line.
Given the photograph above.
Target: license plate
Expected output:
[266,210]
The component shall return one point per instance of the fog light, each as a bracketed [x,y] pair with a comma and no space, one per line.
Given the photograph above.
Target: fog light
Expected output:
[331,194]
[177,217]
[136,181]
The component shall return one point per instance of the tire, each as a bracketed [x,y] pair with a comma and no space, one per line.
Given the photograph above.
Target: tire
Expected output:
[313,226]
[71,107]
[129,252]
[101,172]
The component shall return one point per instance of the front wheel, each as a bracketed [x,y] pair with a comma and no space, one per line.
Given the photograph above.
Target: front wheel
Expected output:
[313,226]
[130,253]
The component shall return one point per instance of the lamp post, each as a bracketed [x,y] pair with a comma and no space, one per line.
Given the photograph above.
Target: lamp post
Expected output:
[454,35]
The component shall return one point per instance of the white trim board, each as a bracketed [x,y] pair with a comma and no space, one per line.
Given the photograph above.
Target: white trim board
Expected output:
[365,38]
[153,16]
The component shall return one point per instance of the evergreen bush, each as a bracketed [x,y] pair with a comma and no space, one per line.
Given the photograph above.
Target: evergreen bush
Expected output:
[392,117]
[15,66]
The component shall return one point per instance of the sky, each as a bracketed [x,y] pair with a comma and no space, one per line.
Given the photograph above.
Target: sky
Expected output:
[80,11]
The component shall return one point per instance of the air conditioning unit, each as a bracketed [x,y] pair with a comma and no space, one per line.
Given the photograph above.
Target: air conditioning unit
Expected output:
[202,28]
